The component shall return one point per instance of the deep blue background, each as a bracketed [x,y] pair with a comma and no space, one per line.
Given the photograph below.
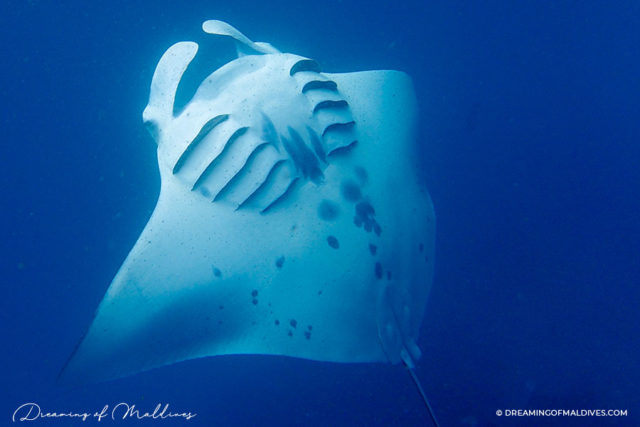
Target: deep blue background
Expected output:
[530,136]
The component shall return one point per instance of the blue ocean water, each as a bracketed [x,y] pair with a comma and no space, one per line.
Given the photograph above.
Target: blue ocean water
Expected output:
[529,136]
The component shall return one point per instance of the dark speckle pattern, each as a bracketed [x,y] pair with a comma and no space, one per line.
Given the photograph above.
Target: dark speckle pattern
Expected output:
[361,174]
[333,242]
[378,270]
[364,209]
[350,191]
[328,210]
[365,215]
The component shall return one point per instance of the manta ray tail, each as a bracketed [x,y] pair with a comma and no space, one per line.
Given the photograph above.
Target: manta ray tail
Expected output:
[416,381]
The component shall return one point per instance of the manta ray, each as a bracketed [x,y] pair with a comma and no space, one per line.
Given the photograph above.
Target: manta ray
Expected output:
[290,221]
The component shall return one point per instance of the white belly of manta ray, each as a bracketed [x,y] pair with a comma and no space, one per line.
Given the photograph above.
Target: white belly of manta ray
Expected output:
[290,221]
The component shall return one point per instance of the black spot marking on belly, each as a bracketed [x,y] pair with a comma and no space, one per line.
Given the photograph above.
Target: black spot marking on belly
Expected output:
[365,215]
[333,242]
[280,262]
[378,270]
[350,191]
[365,210]
[361,174]
[328,210]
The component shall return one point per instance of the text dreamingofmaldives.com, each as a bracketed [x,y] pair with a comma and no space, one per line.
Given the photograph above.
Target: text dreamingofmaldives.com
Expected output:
[562,412]
[122,411]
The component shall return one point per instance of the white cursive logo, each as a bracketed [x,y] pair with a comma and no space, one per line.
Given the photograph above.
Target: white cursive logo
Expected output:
[32,412]
[124,411]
